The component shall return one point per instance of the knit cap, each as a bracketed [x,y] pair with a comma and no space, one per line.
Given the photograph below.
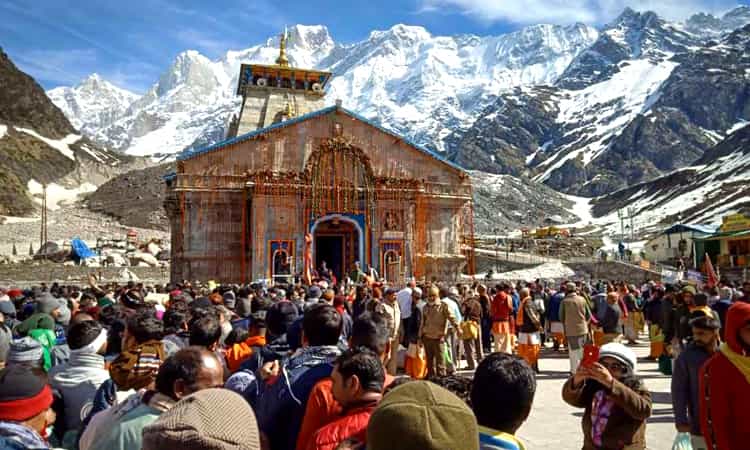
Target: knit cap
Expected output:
[25,351]
[23,394]
[422,416]
[200,422]
[46,303]
[621,353]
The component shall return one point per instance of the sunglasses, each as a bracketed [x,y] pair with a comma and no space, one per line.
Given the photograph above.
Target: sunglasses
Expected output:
[614,366]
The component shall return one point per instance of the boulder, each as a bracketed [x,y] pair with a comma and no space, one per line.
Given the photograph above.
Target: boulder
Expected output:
[153,248]
[117,260]
[147,258]
[126,275]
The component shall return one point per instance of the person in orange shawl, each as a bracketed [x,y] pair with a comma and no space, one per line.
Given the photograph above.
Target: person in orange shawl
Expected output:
[529,323]
[241,347]
[724,385]
[371,331]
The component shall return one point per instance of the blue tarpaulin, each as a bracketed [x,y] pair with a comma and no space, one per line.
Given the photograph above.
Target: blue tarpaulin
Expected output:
[81,250]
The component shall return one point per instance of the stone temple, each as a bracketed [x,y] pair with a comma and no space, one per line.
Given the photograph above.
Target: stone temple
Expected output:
[297,183]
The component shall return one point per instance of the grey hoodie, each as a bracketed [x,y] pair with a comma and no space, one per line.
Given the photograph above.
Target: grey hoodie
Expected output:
[76,382]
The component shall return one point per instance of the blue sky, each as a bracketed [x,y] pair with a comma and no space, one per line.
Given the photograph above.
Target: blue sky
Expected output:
[130,42]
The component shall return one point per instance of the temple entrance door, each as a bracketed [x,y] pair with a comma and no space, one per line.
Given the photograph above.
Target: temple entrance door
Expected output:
[337,243]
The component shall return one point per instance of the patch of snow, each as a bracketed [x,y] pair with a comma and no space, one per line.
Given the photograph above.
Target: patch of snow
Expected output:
[739,125]
[541,149]
[86,149]
[604,109]
[3,130]
[12,219]
[57,194]
[546,271]
[61,145]
[582,209]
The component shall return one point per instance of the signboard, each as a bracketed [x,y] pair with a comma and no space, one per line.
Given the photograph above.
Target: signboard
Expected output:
[694,277]
[735,222]
[645,264]
[670,276]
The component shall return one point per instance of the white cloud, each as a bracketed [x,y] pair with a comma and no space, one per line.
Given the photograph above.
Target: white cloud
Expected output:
[570,11]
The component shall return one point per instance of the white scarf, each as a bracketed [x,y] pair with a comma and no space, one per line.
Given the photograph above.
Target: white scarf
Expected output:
[93,346]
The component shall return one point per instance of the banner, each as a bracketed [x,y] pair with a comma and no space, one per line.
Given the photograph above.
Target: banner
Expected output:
[670,276]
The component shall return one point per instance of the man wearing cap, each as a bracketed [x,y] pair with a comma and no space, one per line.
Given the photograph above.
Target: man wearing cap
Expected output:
[575,315]
[422,416]
[685,381]
[393,310]
[25,409]
[435,318]
[200,422]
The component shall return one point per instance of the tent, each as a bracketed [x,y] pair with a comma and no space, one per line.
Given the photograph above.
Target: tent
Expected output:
[80,250]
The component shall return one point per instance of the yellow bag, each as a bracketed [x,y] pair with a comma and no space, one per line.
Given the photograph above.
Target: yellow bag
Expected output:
[469,330]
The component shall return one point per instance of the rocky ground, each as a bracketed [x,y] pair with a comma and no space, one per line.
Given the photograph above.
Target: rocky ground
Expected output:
[64,224]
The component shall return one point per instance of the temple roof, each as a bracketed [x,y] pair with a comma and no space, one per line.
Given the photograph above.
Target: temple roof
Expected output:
[191,153]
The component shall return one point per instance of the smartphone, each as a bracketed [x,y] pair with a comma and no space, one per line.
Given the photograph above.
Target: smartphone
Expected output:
[590,355]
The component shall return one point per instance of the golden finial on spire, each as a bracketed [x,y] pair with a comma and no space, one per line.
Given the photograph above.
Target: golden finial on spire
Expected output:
[282,60]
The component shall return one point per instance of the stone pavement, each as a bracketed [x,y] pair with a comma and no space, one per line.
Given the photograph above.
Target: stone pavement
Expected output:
[555,425]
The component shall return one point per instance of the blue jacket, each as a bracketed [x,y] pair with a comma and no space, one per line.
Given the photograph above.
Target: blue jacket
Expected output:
[553,311]
[685,387]
[281,405]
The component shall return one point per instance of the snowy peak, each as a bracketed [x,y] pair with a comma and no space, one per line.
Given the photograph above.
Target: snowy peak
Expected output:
[93,103]
[400,33]
[632,35]
[417,84]
[708,25]
[310,37]
[190,69]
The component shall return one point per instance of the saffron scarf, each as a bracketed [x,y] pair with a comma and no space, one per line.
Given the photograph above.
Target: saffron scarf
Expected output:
[741,362]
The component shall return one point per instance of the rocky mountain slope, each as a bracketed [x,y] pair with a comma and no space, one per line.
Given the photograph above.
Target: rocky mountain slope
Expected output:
[143,206]
[716,185]
[417,84]
[647,98]
[38,145]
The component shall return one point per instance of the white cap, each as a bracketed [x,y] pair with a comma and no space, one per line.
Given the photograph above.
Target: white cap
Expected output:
[621,353]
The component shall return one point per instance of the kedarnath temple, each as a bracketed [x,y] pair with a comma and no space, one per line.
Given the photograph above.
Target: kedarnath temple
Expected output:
[296,184]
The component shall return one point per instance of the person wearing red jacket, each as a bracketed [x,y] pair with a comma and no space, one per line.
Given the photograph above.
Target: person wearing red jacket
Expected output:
[501,310]
[358,379]
[725,386]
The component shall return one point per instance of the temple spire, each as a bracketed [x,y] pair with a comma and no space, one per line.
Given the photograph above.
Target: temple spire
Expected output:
[282,60]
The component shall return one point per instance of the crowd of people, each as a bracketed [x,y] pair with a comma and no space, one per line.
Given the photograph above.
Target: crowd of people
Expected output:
[360,365]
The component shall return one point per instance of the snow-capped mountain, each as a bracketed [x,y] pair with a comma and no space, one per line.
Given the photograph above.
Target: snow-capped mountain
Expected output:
[93,104]
[715,186]
[647,98]
[709,25]
[417,84]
